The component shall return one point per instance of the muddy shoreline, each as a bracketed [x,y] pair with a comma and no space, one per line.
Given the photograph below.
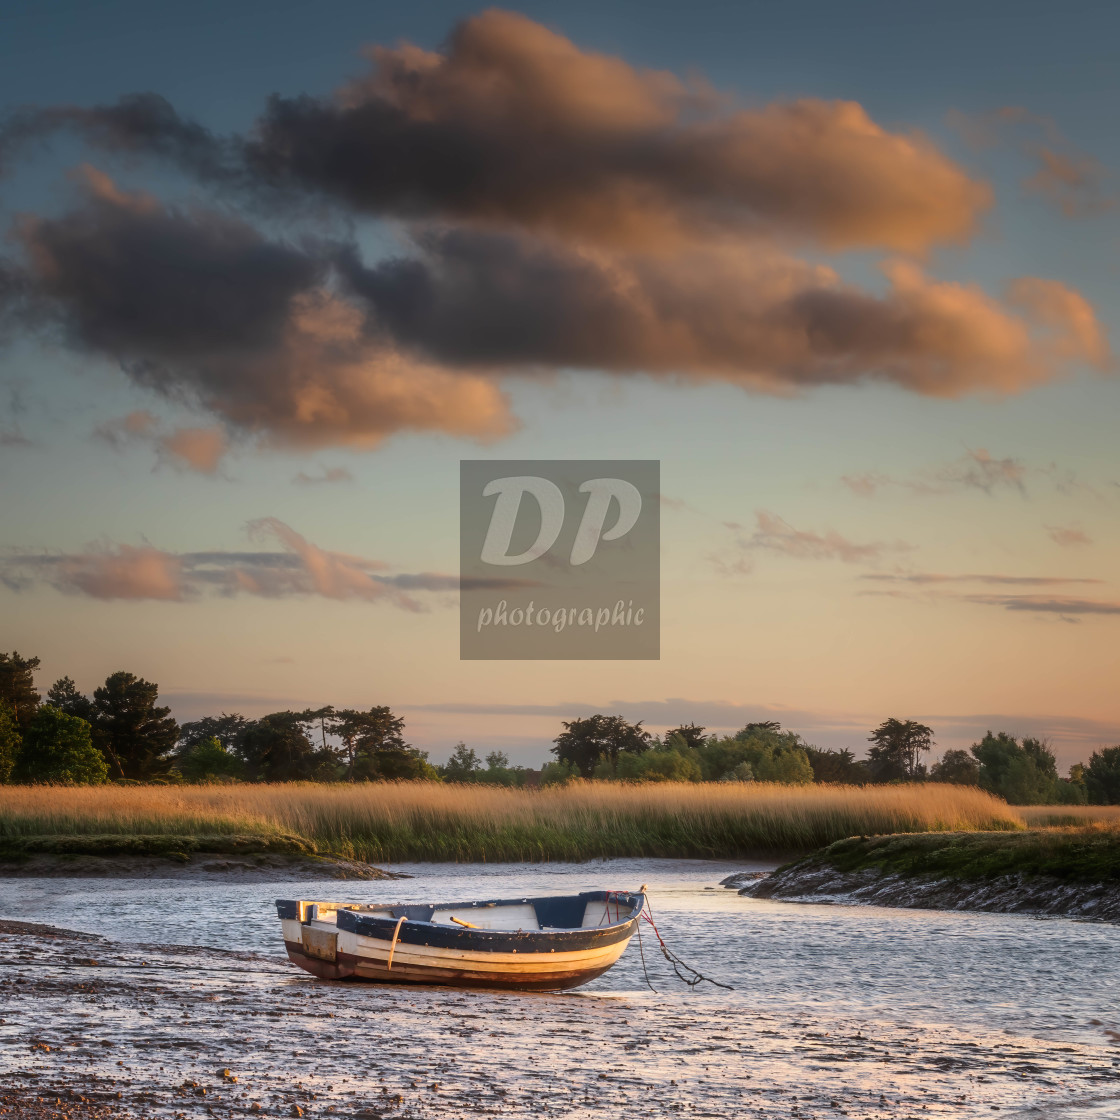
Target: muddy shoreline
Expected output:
[111,1030]
[1038,896]
[259,867]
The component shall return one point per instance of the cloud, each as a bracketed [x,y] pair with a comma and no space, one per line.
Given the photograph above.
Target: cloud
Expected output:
[514,124]
[556,209]
[762,319]
[991,578]
[1070,180]
[15,406]
[127,573]
[1068,536]
[979,470]
[1068,608]
[195,449]
[202,308]
[328,475]
[866,485]
[298,568]
[306,346]
[773,534]
[1042,604]
[121,431]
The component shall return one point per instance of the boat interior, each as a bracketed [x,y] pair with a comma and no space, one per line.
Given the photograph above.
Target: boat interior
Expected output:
[591,910]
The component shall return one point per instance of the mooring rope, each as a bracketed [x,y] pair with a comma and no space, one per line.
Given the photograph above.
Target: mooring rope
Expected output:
[642,952]
[694,976]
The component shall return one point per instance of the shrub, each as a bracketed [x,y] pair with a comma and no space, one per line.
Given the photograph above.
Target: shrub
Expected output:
[11,742]
[1022,773]
[208,761]
[59,748]
[1102,776]
[958,768]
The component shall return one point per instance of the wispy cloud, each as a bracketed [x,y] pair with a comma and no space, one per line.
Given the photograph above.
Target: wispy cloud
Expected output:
[1041,604]
[197,449]
[976,469]
[1072,181]
[297,568]
[13,409]
[1068,536]
[773,534]
[980,470]
[935,578]
[327,476]
[932,587]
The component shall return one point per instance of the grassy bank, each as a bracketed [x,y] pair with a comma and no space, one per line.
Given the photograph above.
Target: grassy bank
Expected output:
[1089,853]
[391,822]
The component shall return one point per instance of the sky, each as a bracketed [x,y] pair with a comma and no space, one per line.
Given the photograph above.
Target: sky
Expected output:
[270,271]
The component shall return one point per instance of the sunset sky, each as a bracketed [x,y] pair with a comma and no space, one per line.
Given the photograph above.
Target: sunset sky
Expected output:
[270,271]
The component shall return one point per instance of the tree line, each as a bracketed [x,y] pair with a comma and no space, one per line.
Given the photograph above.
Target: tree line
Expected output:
[121,733]
[1023,772]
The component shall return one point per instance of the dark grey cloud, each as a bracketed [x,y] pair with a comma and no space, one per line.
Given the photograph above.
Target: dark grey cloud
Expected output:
[138,124]
[514,124]
[200,306]
[758,318]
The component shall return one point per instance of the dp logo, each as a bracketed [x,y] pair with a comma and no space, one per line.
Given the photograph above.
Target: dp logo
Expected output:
[559,559]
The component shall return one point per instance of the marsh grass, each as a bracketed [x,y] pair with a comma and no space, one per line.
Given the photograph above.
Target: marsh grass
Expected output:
[395,822]
[1089,852]
[1063,816]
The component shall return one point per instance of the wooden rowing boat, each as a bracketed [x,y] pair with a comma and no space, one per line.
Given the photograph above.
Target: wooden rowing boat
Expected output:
[531,944]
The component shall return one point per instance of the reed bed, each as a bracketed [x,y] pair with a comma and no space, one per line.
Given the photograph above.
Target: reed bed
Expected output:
[1064,816]
[393,822]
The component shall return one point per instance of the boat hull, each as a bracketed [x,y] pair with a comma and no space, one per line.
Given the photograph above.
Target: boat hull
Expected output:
[404,945]
[531,976]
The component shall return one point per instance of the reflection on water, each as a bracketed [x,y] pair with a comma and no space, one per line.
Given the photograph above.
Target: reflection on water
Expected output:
[959,1011]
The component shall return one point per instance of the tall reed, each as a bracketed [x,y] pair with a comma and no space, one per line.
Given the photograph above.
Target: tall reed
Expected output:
[393,822]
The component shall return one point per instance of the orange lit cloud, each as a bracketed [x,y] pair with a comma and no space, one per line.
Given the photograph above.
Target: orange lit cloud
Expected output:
[556,209]
[1068,536]
[196,449]
[514,123]
[200,305]
[121,573]
[297,568]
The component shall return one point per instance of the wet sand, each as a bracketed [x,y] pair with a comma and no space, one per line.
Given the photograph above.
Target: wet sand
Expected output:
[104,1029]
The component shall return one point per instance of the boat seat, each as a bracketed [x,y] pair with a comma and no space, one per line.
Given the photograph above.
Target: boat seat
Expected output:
[517,917]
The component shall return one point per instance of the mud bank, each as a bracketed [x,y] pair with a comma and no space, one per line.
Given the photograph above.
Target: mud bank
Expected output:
[104,1029]
[260,867]
[1068,874]
[1007,894]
